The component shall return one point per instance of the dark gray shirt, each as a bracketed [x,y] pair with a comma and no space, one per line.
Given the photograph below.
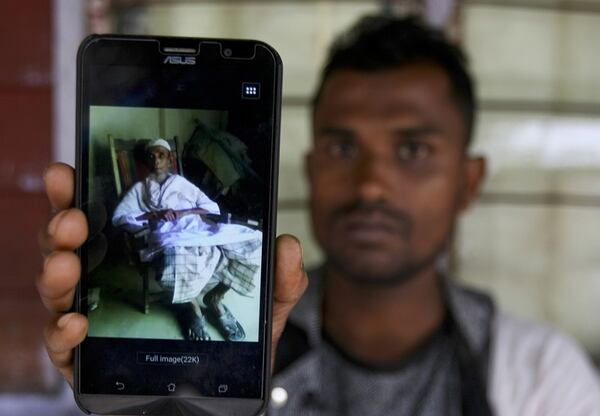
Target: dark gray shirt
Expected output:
[322,380]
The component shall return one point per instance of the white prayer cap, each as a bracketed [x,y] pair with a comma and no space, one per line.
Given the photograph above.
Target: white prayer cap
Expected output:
[159,142]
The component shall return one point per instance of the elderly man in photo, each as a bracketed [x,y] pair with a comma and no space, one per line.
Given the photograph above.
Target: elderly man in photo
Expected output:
[194,258]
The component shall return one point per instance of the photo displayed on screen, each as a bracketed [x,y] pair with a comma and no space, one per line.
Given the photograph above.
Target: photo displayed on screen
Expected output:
[179,247]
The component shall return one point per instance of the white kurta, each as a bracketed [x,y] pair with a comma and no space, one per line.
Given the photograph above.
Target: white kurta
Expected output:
[193,250]
[146,196]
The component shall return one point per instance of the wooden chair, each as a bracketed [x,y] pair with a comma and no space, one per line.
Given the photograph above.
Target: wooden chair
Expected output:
[128,157]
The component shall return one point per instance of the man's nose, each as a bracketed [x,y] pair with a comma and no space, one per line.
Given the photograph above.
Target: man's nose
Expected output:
[372,177]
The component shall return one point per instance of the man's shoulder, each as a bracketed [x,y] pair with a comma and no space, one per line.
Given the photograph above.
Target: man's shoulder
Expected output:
[175,177]
[182,181]
[531,334]
[515,334]
[533,369]
[136,188]
[522,337]
[538,367]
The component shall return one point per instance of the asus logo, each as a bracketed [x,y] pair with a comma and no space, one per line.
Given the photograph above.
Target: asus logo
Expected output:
[180,60]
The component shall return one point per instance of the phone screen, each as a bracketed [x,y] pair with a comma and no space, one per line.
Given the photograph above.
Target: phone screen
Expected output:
[177,160]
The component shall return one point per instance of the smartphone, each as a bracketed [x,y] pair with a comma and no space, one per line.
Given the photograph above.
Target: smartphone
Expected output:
[176,171]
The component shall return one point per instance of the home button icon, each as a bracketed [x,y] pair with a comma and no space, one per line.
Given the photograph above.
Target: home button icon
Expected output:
[171,387]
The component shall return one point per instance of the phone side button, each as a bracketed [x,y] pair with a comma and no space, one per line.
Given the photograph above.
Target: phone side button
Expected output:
[120,385]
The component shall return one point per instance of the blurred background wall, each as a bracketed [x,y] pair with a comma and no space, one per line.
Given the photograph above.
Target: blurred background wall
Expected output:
[532,239]
[26,140]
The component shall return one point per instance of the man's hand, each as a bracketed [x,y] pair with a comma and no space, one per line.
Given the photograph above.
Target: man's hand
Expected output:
[68,229]
[290,283]
[65,232]
[168,214]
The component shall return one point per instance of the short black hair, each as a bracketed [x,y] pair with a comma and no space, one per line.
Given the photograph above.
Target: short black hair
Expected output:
[381,42]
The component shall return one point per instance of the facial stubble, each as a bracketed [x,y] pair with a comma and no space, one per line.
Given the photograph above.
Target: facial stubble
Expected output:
[393,266]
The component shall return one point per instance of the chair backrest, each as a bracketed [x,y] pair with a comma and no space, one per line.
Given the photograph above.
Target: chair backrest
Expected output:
[128,157]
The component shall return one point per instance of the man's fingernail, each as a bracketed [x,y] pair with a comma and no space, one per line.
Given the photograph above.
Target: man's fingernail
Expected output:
[63,321]
[301,257]
[52,226]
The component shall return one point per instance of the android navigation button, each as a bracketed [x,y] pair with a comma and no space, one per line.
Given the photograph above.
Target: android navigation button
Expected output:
[120,386]
[222,388]
[171,387]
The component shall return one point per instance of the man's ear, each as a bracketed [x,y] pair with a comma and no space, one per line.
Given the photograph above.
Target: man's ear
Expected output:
[474,173]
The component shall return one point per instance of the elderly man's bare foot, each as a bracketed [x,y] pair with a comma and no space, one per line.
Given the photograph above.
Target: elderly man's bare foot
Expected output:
[197,329]
[191,321]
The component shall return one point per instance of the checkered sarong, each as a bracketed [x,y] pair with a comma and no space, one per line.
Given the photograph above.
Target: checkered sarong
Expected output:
[239,267]
[187,270]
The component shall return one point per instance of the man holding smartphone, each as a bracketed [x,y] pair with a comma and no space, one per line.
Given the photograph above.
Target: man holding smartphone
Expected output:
[380,330]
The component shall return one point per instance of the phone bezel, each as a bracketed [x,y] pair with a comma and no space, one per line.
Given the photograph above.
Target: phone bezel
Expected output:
[192,405]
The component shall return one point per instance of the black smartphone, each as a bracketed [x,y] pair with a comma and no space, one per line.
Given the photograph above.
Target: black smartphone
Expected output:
[176,171]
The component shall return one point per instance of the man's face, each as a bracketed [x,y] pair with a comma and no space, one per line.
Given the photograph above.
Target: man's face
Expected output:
[388,171]
[159,159]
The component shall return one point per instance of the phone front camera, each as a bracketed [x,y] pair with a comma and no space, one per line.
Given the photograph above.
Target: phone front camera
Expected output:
[227,52]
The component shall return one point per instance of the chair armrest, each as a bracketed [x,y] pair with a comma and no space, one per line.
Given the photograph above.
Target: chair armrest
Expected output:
[141,233]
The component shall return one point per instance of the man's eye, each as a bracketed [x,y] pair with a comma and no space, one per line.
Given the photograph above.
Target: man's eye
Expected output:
[342,149]
[411,151]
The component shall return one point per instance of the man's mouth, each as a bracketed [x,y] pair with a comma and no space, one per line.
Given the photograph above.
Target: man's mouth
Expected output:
[372,227]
